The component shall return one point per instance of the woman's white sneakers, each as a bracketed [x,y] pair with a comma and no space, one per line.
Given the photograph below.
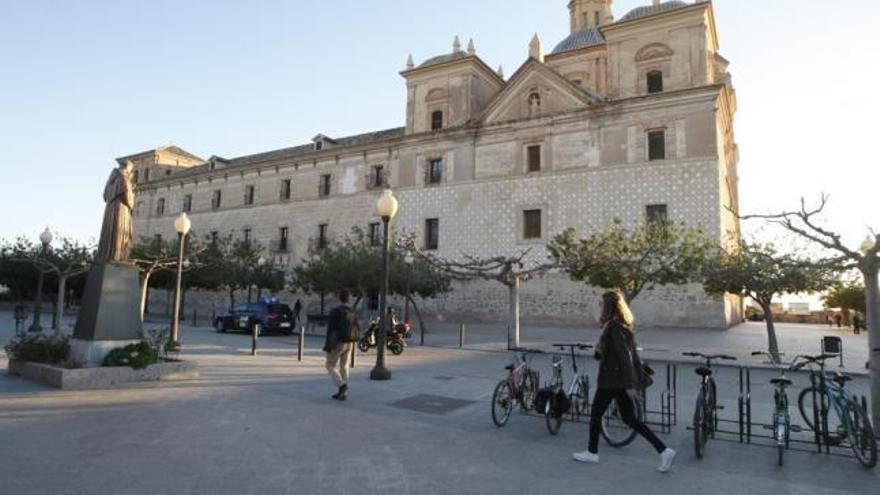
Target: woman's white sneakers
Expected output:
[586,456]
[666,458]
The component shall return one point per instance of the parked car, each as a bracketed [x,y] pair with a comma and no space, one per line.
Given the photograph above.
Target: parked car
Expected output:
[261,316]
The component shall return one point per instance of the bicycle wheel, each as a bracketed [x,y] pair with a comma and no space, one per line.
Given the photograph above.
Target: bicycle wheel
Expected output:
[805,405]
[615,432]
[502,403]
[860,435]
[579,400]
[700,426]
[529,391]
[553,420]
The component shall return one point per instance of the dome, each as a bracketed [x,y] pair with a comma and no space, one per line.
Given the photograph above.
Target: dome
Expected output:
[449,57]
[652,9]
[580,39]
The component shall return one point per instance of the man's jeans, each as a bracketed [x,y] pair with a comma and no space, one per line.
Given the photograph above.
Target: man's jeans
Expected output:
[337,362]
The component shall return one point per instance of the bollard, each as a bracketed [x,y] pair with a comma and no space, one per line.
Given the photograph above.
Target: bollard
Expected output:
[195,318]
[302,338]
[461,336]
[254,340]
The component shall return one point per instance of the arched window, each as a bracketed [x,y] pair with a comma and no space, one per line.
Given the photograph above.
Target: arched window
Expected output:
[655,81]
[436,120]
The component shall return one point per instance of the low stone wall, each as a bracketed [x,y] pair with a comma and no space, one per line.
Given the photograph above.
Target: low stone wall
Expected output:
[97,378]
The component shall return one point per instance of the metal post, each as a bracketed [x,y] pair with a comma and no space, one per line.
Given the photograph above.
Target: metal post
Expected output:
[175,315]
[461,336]
[38,304]
[380,372]
[195,317]
[508,337]
[254,340]
[302,339]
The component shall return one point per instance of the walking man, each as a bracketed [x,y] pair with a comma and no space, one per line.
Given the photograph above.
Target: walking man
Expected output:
[342,332]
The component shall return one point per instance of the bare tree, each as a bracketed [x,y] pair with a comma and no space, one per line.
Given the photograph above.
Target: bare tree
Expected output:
[805,223]
[510,271]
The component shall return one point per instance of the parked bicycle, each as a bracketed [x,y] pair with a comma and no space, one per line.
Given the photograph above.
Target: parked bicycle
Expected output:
[850,421]
[706,409]
[578,391]
[519,387]
[781,424]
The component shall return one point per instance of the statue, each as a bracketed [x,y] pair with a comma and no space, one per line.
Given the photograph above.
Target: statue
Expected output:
[534,104]
[116,231]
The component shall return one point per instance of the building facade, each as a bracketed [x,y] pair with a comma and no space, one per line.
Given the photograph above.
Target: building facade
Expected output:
[625,119]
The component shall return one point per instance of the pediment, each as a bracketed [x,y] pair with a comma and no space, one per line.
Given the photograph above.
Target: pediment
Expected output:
[535,91]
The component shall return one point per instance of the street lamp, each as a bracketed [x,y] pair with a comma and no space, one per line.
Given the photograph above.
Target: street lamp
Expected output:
[868,244]
[182,226]
[45,240]
[387,208]
[261,262]
[408,260]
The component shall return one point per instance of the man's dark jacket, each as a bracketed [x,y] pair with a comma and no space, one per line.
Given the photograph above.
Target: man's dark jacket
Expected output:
[337,327]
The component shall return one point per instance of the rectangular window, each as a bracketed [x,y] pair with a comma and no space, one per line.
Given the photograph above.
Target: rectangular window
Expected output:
[160,207]
[375,234]
[322,236]
[246,235]
[286,190]
[135,177]
[436,120]
[656,213]
[657,145]
[435,171]
[319,145]
[187,203]
[324,186]
[532,224]
[249,195]
[146,175]
[378,176]
[655,81]
[534,158]
[432,233]
[282,239]
[216,199]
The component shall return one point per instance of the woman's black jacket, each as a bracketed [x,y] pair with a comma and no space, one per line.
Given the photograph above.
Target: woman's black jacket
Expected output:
[618,358]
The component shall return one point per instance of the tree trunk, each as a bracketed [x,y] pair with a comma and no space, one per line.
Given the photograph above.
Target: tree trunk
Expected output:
[872,310]
[59,305]
[772,342]
[231,299]
[415,306]
[513,315]
[145,287]
[322,303]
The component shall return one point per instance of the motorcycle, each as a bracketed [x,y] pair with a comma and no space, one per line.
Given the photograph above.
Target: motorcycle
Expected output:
[395,340]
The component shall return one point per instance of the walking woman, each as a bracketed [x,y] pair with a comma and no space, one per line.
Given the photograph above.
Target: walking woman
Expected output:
[620,379]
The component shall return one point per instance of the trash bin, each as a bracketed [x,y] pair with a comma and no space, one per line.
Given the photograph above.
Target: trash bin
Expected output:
[832,344]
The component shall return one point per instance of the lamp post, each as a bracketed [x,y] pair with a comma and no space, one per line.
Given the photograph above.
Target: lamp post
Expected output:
[261,262]
[868,244]
[387,208]
[409,260]
[182,226]
[45,240]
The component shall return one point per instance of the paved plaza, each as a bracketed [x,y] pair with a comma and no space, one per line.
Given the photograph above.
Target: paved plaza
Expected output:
[266,425]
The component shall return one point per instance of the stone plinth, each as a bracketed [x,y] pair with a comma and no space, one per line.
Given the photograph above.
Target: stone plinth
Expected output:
[97,378]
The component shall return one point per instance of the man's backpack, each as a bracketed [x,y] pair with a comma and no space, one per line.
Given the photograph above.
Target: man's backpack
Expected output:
[351,330]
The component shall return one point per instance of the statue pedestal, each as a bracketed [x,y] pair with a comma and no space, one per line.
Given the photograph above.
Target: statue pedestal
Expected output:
[110,316]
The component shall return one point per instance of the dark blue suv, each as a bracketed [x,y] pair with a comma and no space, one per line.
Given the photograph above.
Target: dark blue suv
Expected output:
[259,316]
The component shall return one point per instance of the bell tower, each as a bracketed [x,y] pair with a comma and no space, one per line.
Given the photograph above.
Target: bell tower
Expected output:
[589,14]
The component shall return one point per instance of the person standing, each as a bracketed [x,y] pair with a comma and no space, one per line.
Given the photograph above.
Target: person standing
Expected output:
[342,332]
[621,378]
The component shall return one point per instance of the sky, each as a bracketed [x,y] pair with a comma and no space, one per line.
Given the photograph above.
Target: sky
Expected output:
[84,82]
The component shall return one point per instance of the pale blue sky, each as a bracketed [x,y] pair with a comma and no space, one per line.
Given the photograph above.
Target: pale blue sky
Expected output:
[83,82]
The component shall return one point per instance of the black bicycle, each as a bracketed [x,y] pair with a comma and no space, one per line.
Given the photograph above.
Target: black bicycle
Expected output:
[706,410]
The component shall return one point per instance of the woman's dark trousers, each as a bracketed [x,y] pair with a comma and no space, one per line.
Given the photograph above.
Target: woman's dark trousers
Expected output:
[601,401]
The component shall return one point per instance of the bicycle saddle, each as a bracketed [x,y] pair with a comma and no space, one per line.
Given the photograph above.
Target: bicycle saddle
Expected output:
[703,371]
[839,378]
[781,381]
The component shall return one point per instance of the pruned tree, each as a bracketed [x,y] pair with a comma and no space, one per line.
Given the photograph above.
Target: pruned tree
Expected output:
[510,271]
[632,259]
[760,272]
[806,223]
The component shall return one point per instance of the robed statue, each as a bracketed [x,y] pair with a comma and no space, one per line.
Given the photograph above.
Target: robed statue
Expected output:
[116,231]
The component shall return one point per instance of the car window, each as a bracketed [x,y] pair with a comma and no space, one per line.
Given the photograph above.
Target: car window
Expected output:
[241,308]
[280,308]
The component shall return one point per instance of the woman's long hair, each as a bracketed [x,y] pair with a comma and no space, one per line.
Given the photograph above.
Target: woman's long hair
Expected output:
[614,308]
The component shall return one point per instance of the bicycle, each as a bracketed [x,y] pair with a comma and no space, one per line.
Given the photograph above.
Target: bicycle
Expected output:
[706,409]
[578,390]
[519,387]
[853,423]
[781,425]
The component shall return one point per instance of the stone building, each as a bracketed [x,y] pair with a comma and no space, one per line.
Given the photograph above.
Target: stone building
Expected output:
[629,119]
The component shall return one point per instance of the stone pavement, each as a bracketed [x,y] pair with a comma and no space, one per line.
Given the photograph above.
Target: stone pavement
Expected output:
[266,425]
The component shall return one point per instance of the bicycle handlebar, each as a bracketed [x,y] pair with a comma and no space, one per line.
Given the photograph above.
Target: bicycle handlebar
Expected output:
[704,356]
[575,345]
[526,351]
